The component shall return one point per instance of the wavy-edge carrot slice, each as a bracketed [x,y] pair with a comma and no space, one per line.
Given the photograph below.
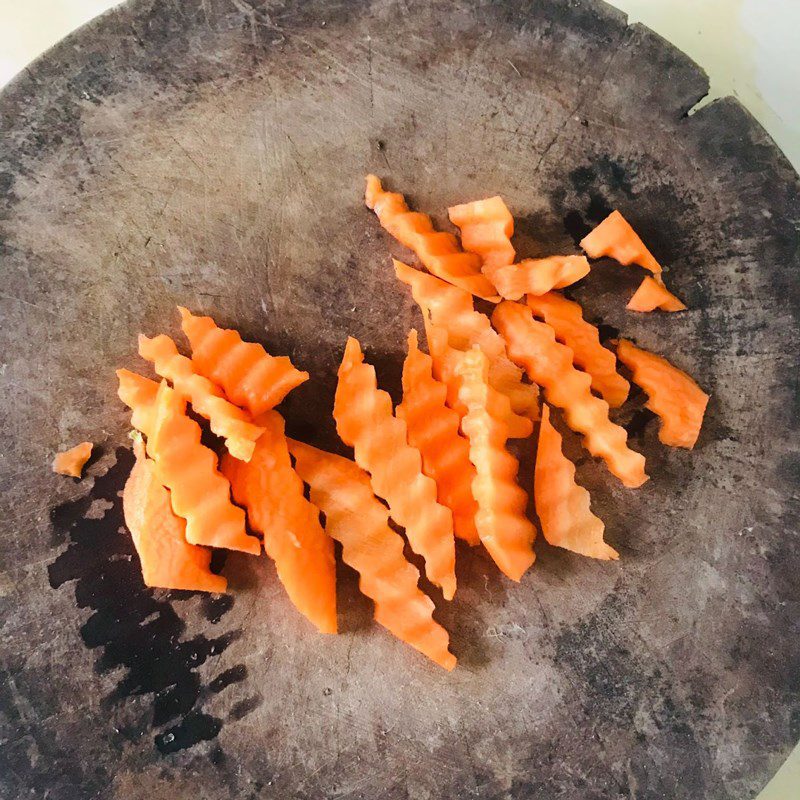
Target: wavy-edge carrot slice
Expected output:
[273,494]
[539,275]
[433,428]
[672,394]
[564,507]
[226,420]
[139,394]
[360,522]
[248,374]
[168,561]
[533,345]
[486,229]
[365,422]
[440,253]
[565,317]
[72,461]
[503,527]
[614,237]
[652,295]
[451,309]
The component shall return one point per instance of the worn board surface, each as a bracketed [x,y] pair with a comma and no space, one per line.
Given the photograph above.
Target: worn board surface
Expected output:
[212,153]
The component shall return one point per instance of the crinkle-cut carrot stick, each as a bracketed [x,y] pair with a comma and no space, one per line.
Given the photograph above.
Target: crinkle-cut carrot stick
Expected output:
[272,492]
[439,252]
[673,395]
[563,507]
[486,229]
[615,237]
[451,309]
[71,461]
[159,536]
[539,275]
[503,528]
[250,376]
[226,420]
[533,345]
[199,492]
[360,522]
[433,430]
[565,317]
[365,421]
[652,295]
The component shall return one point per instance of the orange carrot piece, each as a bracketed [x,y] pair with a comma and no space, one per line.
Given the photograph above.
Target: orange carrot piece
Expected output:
[250,376]
[433,430]
[227,420]
[71,461]
[199,492]
[673,395]
[565,317]
[159,536]
[486,229]
[652,295]
[563,507]
[451,309]
[503,528]
[360,522]
[533,344]
[364,420]
[440,253]
[615,237]
[272,492]
[539,275]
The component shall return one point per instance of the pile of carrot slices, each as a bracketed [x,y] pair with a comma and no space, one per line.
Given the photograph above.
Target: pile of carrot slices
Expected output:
[437,465]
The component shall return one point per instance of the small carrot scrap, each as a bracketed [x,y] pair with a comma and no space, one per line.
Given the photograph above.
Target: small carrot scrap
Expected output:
[533,344]
[615,237]
[503,528]
[486,229]
[364,420]
[563,507]
[433,430]
[250,377]
[539,275]
[652,295]
[565,317]
[227,420]
[673,395]
[71,461]
[360,522]
[272,492]
[439,252]
[159,536]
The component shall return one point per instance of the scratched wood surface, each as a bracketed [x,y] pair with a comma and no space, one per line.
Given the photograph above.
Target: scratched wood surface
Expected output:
[211,152]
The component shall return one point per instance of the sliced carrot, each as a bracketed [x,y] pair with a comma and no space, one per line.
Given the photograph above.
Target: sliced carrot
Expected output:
[360,522]
[250,376]
[533,344]
[563,507]
[503,528]
[439,252]
[364,420]
[451,309]
[539,275]
[486,229]
[272,493]
[615,237]
[199,492]
[159,536]
[673,395]
[652,295]
[433,430]
[227,420]
[565,317]
[71,461]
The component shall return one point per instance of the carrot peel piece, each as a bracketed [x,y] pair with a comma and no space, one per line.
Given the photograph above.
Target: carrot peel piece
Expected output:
[486,229]
[615,237]
[539,275]
[71,461]
[651,295]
